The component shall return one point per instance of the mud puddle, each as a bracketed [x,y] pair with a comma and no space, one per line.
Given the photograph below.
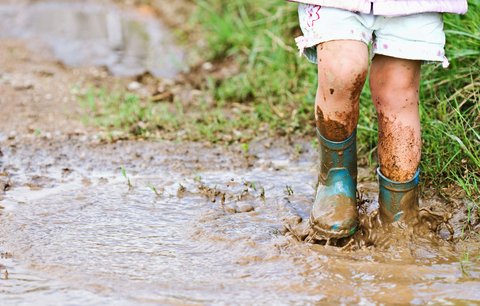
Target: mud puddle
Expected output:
[196,225]
[85,33]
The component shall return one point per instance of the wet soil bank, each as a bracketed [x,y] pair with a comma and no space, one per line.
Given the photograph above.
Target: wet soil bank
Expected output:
[84,221]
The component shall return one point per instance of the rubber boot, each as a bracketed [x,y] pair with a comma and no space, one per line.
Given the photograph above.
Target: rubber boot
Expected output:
[397,201]
[334,213]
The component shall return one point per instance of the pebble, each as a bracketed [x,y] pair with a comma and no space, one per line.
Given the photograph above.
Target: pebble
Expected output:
[207,66]
[243,208]
[5,184]
[134,86]
[230,209]
[23,86]
[293,220]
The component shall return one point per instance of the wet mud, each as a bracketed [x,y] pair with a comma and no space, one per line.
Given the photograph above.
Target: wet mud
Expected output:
[357,87]
[198,225]
[397,162]
[339,125]
[332,129]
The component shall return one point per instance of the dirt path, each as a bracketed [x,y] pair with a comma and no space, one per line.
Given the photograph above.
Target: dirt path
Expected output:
[37,91]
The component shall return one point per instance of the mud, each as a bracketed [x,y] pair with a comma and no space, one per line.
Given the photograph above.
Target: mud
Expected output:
[191,223]
[344,122]
[334,130]
[223,239]
[357,87]
[323,216]
[398,149]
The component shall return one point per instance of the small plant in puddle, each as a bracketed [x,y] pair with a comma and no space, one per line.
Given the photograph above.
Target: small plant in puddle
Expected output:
[245,148]
[154,189]
[124,174]
[289,190]
[262,193]
[464,264]
[181,191]
[250,184]
[298,149]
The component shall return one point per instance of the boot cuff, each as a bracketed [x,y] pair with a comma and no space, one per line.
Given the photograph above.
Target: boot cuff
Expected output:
[398,186]
[337,146]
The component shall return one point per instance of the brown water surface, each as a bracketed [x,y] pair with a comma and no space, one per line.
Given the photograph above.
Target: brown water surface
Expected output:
[212,233]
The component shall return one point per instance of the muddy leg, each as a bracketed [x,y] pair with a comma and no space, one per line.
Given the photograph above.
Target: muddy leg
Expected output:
[342,70]
[394,84]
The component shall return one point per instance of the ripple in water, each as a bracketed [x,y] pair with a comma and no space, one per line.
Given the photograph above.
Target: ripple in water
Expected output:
[123,246]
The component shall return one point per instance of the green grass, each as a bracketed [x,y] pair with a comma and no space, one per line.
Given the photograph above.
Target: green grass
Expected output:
[273,92]
[260,38]
[127,115]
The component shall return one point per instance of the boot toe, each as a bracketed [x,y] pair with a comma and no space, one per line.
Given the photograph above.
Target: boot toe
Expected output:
[334,217]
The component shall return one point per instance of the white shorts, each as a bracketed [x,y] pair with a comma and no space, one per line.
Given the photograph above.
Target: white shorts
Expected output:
[415,37]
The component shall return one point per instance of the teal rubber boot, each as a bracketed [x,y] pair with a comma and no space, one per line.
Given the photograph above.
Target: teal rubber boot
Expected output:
[397,201]
[334,213]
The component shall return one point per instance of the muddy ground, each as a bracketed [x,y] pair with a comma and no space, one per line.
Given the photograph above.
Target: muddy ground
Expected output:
[185,223]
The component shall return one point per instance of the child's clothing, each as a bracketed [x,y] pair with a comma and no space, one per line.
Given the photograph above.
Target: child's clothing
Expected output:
[393,7]
[415,37]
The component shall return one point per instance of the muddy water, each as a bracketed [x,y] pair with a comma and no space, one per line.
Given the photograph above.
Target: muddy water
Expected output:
[72,231]
[126,42]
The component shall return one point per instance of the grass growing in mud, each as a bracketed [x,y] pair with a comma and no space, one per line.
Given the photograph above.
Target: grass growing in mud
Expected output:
[272,92]
[125,114]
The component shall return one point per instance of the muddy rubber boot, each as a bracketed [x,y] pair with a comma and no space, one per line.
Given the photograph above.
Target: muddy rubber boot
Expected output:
[397,201]
[334,213]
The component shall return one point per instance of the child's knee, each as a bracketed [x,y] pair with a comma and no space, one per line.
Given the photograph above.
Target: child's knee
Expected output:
[395,87]
[344,78]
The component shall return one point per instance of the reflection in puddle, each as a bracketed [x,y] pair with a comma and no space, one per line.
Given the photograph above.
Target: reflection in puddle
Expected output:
[128,43]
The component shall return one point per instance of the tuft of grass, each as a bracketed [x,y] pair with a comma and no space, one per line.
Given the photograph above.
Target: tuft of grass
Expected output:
[116,110]
[128,115]
[288,190]
[124,174]
[154,189]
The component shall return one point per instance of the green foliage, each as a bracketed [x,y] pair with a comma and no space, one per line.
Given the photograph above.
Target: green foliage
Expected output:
[124,174]
[259,36]
[116,110]
[126,115]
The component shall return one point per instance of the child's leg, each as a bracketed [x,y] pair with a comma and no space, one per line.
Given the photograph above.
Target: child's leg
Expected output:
[401,44]
[342,70]
[394,84]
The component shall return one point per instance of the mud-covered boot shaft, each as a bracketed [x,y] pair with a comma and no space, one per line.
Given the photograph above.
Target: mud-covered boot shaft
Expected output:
[334,213]
[341,154]
[397,200]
